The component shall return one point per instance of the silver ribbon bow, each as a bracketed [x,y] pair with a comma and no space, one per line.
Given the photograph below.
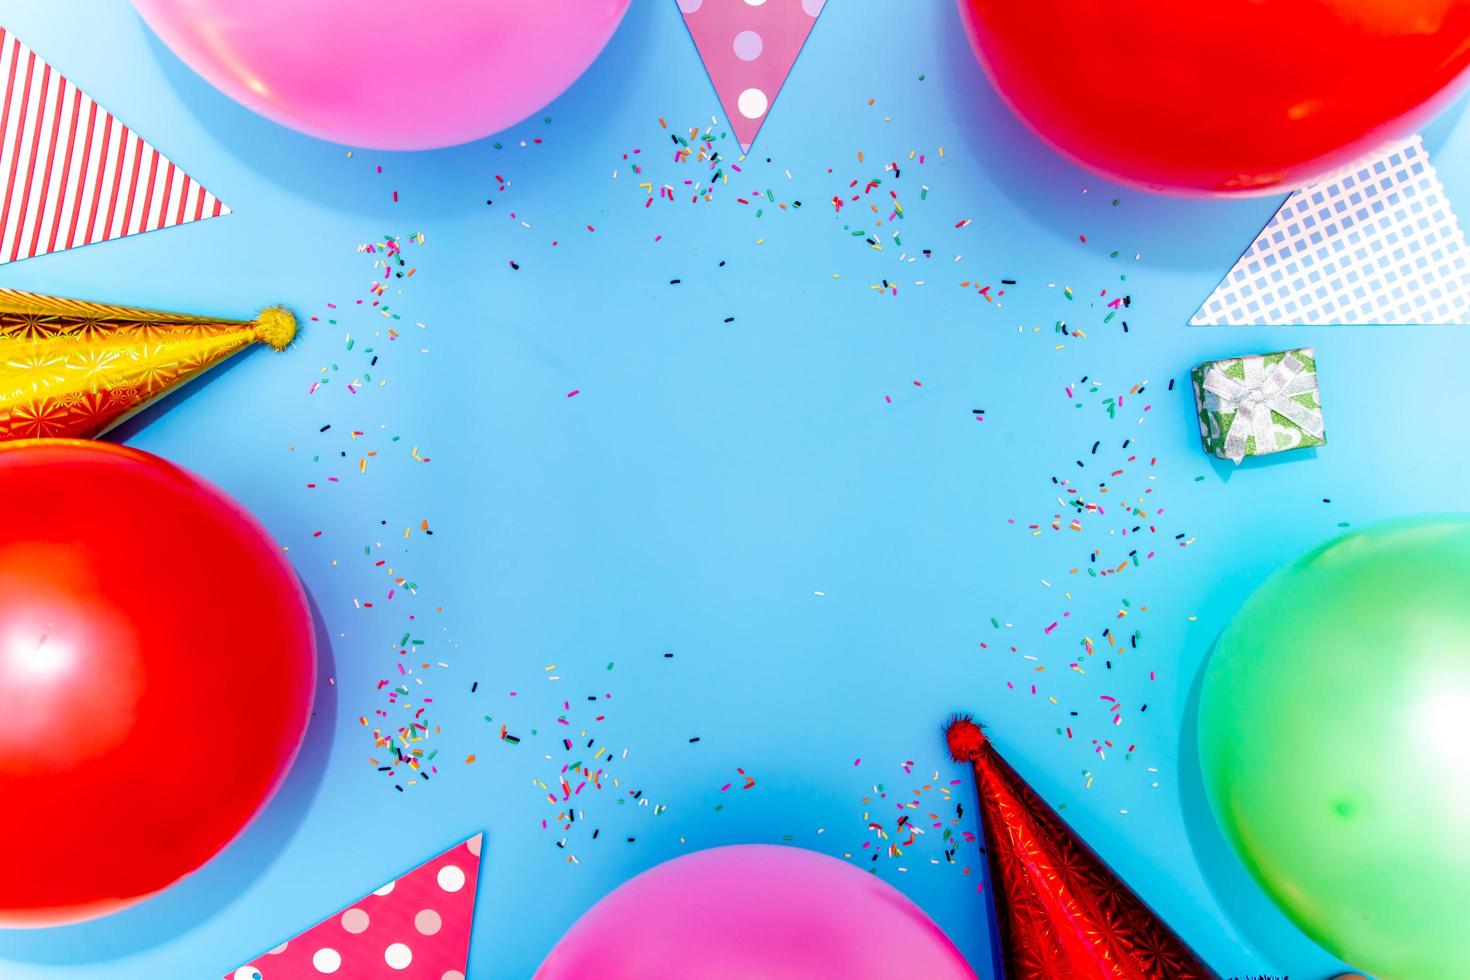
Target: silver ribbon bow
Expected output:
[1264,390]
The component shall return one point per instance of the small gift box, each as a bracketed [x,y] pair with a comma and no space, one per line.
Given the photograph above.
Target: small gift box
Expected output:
[1258,404]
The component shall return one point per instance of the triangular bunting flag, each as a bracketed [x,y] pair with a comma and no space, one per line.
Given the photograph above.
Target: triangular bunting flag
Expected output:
[1378,245]
[73,174]
[1062,911]
[416,927]
[74,369]
[748,48]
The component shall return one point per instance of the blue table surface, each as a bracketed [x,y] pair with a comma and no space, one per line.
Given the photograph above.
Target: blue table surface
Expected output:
[784,534]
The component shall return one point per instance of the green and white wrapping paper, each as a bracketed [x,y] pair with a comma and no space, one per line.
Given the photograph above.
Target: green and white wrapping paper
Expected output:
[1259,404]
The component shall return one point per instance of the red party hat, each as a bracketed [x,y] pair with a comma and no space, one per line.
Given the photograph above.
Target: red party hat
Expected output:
[416,927]
[1062,911]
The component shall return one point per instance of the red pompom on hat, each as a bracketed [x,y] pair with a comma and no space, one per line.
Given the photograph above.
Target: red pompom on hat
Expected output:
[966,738]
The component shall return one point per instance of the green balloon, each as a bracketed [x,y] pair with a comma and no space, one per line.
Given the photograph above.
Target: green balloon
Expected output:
[1335,744]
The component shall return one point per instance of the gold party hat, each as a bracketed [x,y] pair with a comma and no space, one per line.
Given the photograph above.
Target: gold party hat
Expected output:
[70,368]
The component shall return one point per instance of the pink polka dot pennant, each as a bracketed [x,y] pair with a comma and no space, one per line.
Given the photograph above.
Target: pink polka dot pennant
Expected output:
[416,927]
[748,48]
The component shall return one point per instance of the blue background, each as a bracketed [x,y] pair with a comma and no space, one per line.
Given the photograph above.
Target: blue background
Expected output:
[711,478]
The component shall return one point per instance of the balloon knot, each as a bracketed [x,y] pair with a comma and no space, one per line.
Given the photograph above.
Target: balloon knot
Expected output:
[275,326]
[965,737]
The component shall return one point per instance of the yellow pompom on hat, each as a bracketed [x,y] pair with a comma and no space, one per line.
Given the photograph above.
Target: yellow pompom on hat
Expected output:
[275,327]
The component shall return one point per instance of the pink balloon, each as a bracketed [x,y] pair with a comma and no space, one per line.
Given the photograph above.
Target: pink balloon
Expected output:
[755,910]
[389,77]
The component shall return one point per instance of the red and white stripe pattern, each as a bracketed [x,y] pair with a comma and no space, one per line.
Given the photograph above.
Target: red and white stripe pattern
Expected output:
[73,174]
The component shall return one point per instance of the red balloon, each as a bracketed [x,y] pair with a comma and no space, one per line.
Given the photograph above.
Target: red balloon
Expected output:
[157,664]
[1220,96]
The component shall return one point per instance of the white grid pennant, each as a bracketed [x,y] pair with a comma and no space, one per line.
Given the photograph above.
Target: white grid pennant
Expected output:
[1380,244]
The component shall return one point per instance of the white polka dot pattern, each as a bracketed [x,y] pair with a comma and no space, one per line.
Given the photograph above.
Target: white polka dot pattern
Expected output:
[326,960]
[749,48]
[398,956]
[747,45]
[428,922]
[450,878]
[752,103]
[416,926]
[355,920]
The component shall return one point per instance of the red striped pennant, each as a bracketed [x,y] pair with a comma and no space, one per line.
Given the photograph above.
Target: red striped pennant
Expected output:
[73,173]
